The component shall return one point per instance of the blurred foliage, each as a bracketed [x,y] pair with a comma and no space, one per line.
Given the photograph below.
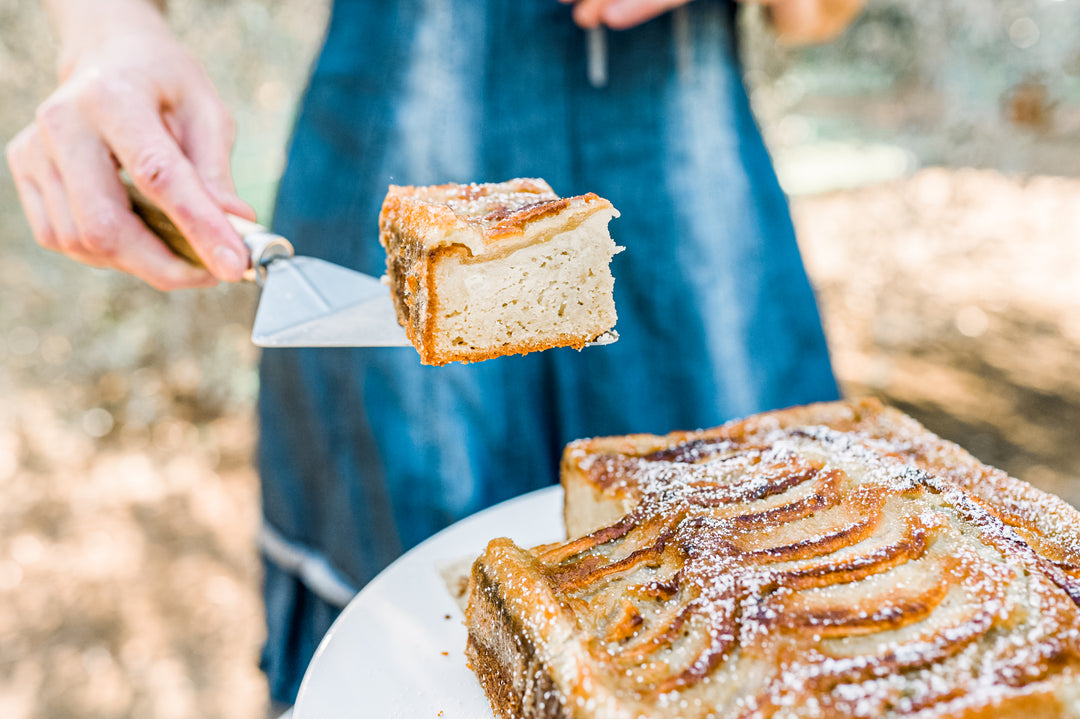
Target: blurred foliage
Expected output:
[962,82]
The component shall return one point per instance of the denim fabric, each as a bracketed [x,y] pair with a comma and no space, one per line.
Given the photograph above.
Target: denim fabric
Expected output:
[365,452]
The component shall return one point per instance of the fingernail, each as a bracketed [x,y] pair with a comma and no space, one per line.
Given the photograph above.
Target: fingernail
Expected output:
[243,208]
[231,202]
[228,262]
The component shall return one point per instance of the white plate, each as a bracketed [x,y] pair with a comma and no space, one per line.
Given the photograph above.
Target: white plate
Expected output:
[393,652]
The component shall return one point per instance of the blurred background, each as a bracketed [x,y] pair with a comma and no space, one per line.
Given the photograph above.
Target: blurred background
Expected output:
[932,156]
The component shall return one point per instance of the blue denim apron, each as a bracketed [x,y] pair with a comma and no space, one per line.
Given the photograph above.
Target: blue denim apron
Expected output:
[364,452]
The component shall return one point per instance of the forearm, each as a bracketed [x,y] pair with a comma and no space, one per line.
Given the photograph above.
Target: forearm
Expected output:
[87,24]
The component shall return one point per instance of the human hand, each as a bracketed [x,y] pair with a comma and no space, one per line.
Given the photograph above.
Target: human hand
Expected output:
[805,22]
[131,97]
[796,22]
[619,14]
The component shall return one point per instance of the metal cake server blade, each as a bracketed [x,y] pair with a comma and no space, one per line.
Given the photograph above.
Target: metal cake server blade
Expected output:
[307,302]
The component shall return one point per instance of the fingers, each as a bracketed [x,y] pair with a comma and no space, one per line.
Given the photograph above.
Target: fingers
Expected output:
[18,154]
[77,212]
[589,13]
[136,133]
[805,22]
[64,230]
[620,14]
[41,193]
[206,137]
[151,261]
[34,207]
[109,233]
[82,193]
[623,14]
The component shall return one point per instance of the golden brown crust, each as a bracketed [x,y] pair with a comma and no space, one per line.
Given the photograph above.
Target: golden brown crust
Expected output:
[1045,519]
[423,227]
[505,661]
[496,211]
[506,222]
[835,560]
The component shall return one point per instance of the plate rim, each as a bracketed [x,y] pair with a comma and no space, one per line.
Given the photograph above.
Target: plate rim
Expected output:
[426,551]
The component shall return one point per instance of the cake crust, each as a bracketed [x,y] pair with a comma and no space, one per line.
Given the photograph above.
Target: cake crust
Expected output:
[835,560]
[464,263]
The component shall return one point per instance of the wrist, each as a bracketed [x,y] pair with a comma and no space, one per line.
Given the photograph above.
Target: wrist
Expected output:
[85,26]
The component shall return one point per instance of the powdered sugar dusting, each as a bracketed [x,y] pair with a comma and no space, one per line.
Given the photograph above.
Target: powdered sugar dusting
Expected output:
[813,570]
[495,201]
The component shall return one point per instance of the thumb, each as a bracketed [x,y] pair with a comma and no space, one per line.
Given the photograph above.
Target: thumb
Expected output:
[206,137]
[623,14]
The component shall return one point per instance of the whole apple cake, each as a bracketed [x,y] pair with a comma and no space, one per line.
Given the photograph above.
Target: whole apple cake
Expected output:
[834,560]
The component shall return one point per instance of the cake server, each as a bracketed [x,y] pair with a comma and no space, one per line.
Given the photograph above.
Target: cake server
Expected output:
[596,57]
[305,301]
